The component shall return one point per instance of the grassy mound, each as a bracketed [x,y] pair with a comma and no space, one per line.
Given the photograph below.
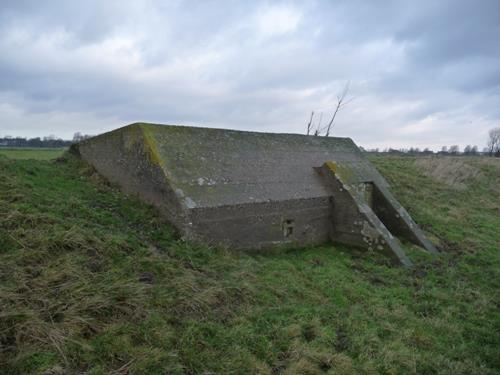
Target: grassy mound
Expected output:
[94,282]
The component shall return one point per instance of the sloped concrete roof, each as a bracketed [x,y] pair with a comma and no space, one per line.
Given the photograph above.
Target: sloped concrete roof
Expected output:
[216,167]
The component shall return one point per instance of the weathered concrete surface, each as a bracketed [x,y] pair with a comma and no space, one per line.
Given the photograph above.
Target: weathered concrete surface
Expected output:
[252,190]
[354,221]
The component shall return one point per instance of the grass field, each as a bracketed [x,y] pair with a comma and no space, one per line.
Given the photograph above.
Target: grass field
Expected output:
[32,153]
[94,282]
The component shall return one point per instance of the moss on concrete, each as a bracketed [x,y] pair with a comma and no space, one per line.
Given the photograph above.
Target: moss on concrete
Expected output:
[151,146]
[345,173]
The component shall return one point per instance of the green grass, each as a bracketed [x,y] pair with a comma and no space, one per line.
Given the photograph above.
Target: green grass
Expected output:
[94,282]
[31,153]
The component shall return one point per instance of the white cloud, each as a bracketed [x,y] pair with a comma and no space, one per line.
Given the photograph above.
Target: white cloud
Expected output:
[277,20]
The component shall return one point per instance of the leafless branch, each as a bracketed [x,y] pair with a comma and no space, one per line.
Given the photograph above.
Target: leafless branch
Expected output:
[319,123]
[310,122]
[340,103]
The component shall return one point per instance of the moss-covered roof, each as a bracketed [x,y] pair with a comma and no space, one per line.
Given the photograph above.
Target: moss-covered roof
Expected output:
[214,167]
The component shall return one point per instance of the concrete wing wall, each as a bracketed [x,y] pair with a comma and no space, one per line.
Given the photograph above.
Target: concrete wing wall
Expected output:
[125,157]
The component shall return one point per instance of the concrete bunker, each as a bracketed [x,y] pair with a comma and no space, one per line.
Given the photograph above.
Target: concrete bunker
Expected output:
[251,190]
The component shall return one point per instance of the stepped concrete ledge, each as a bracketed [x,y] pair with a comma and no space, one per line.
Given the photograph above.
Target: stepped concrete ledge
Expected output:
[249,190]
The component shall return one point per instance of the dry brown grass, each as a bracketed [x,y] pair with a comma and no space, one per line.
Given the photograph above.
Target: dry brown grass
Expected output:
[456,172]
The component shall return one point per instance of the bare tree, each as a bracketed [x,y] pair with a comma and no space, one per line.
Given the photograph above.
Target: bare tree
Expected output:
[77,137]
[341,102]
[470,150]
[318,128]
[454,150]
[310,122]
[494,141]
[320,119]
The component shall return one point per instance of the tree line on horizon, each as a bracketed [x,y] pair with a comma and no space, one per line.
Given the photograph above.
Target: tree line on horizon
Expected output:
[50,141]
[492,148]
[468,150]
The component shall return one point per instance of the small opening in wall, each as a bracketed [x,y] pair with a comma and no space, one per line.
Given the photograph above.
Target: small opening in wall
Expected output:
[288,228]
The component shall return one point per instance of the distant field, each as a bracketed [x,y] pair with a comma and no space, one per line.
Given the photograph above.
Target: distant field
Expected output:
[94,282]
[32,153]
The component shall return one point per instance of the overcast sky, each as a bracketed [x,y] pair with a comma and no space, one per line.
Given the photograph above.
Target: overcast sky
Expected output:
[422,73]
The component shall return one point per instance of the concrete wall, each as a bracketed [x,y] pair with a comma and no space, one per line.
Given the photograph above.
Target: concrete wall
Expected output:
[292,223]
[354,221]
[123,158]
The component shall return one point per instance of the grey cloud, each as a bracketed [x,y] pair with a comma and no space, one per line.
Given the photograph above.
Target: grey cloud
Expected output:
[420,71]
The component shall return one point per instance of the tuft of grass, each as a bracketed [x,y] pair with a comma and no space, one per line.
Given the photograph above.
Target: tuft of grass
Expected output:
[94,282]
